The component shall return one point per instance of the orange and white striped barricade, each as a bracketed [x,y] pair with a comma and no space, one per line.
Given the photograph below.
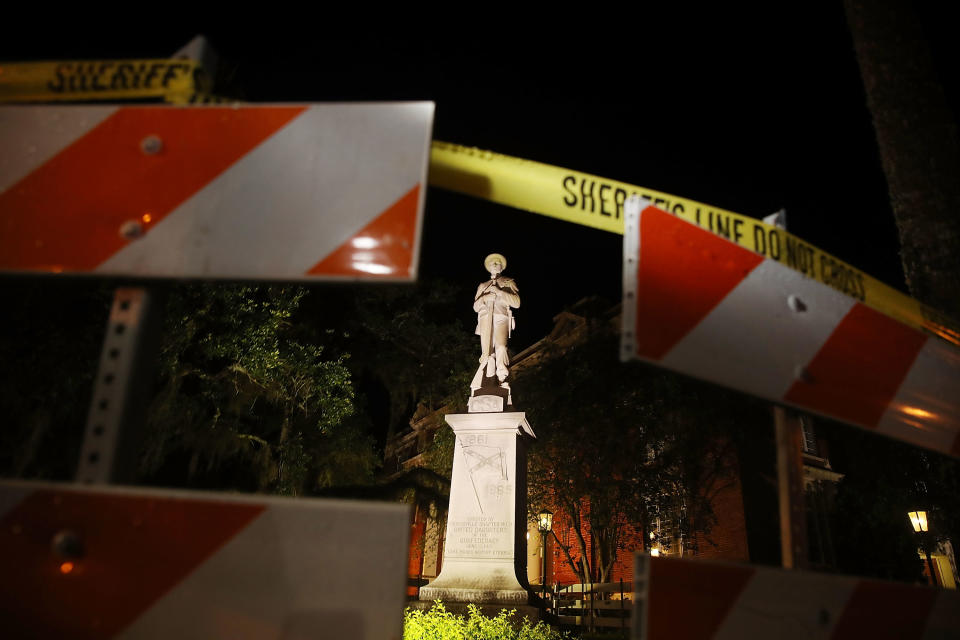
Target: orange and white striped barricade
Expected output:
[258,192]
[678,599]
[697,303]
[138,563]
[253,192]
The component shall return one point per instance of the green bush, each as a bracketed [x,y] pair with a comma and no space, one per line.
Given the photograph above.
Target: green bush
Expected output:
[440,624]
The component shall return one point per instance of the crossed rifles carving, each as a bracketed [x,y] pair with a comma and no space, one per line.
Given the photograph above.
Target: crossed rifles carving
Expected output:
[494,461]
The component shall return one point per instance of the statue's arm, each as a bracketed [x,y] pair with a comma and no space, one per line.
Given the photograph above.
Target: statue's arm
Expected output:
[478,301]
[508,293]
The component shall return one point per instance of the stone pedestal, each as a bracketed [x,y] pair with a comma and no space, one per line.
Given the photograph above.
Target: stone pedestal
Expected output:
[484,553]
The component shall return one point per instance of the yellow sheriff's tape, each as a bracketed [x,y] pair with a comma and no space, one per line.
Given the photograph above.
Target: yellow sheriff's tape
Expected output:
[98,80]
[597,202]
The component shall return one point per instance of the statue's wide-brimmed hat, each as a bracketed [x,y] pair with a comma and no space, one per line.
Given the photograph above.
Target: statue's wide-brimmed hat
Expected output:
[498,257]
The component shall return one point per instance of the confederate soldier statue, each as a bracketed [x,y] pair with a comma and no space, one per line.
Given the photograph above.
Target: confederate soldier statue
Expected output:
[493,303]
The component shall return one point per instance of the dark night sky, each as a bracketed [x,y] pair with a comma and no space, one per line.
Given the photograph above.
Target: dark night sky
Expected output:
[749,113]
[743,118]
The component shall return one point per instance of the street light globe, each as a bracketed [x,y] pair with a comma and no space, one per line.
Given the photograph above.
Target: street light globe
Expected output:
[919,520]
[545,521]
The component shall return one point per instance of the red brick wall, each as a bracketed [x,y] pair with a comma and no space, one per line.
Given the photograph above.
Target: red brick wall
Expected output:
[728,536]
[417,532]
[559,569]
[727,539]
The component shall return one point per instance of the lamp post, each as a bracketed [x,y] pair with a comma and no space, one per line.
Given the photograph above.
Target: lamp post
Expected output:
[544,526]
[919,521]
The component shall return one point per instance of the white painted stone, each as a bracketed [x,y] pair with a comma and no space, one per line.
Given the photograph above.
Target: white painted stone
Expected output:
[494,303]
[484,404]
[484,558]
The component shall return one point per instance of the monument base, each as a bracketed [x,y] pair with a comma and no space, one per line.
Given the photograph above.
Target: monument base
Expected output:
[477,582]
[485,543]
[505,597]
[485,404]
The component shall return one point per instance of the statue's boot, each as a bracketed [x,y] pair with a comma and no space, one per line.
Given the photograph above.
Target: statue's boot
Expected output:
[502,361]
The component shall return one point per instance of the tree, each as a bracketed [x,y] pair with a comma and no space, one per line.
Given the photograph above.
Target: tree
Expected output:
[412,339]
[918,144]
[620,446]
[873,498]
[245,403]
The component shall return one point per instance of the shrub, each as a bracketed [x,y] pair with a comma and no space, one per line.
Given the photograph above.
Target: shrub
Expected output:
[440,624]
